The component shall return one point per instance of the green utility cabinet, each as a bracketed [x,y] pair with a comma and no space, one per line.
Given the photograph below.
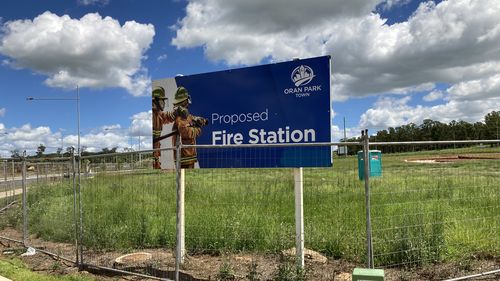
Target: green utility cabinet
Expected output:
[375,164]
[367,274]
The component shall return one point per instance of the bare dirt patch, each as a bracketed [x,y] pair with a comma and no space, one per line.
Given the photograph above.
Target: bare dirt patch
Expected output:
[231,266]
[455,158]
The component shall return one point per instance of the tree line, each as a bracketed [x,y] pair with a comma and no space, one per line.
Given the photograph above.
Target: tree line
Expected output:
[431,130]
[40,152]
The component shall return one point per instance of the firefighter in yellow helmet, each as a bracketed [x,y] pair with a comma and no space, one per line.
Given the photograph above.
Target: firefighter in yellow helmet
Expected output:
[159,119]
[188,127]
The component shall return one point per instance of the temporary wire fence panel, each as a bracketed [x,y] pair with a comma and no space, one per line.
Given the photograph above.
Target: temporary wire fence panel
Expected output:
[239,210]
[334,210]
[9,182]
[10,203]
[239,216]
[50,206]
[429,206]
[128,208]
[437,205]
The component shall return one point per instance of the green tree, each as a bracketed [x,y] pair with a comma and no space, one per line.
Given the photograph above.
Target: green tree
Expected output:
[15,153]
[40,150]
[465,131]
[492,125]
[479,129]
[108,151]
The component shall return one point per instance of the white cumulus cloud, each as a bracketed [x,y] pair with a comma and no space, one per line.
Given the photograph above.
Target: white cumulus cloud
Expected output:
[433,95]
[162,57]
[25,138]
[338,133]
[393,112]
[91,51]
[450,42]
[93,2]
[488,87]
[245,32]
[141,124]
[389,4]
[109,136]
[455,43]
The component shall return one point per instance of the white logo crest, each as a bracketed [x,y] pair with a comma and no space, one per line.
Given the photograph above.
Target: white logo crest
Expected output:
[302,75]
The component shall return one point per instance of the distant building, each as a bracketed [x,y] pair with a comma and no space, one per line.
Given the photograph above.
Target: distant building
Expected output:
[342,150]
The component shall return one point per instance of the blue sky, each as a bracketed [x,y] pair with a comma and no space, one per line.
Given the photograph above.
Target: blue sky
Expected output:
[394,61]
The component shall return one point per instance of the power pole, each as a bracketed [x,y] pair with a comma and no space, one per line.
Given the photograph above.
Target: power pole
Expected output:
[345,139]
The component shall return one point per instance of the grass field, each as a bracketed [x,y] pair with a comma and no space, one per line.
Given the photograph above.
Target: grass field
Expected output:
[421,213]
[14,269]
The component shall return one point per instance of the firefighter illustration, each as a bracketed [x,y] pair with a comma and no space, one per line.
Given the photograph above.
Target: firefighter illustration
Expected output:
[186,127]
[160,118]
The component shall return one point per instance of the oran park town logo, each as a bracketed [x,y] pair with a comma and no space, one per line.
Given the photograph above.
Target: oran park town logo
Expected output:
[302,75]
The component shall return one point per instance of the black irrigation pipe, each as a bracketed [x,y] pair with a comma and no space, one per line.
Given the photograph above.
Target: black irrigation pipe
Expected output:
[38,250]
[91,266]
[86,265]
[474,275]
[8,206]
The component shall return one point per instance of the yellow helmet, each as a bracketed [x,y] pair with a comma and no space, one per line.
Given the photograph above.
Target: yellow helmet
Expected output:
[158,92]
[181,95]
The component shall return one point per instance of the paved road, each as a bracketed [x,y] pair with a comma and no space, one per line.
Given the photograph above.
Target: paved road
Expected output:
[16,183]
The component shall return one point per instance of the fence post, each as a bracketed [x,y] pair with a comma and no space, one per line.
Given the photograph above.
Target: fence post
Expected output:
[180,247]
[13,177]
[299,216]
[366,157]
[25,204]
[182,222]
[5,170]
[5,179]
[37,172]
[132,161]
[80,204]
[75,217]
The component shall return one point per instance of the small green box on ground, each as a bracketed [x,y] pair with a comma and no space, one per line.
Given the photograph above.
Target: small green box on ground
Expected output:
[366,274]
[375,164]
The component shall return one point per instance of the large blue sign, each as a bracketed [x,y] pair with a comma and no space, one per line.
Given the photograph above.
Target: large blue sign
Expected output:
[279,103]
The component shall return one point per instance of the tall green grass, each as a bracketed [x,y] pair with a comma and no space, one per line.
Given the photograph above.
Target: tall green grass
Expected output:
[15,269]
[421,213]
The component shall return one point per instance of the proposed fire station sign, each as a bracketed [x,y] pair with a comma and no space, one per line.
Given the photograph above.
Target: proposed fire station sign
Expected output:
[280,103]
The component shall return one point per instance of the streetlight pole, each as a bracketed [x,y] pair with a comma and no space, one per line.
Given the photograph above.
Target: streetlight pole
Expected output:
[78,113]
[345,140]
[62,141]
[77,99]
[78,225]
[140,154]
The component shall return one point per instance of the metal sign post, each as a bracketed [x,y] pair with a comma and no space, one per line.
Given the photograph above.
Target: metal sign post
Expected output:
[366,157]
[75,217]
[25,203]
[5,178]
[299,216]
[180,247]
